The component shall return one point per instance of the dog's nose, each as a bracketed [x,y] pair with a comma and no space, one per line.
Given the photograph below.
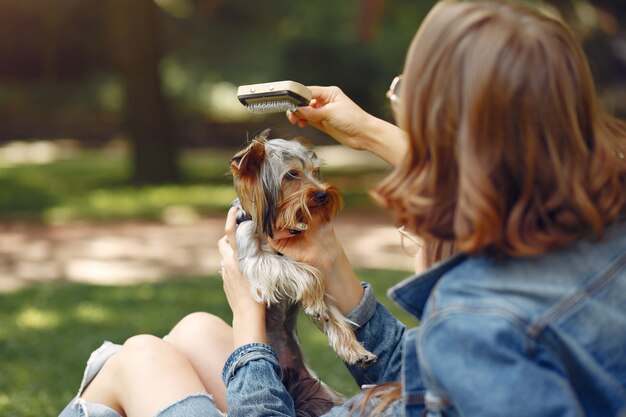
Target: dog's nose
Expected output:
[321,197]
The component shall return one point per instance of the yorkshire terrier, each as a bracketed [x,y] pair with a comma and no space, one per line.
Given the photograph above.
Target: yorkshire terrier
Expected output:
[279,187]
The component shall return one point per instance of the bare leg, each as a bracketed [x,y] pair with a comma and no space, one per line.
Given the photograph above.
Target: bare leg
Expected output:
[207,341]
[145,376]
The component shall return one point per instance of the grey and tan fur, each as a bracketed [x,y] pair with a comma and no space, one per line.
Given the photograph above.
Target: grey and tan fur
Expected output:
[279,187]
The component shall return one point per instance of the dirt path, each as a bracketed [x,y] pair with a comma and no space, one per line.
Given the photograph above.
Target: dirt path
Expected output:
[130,252]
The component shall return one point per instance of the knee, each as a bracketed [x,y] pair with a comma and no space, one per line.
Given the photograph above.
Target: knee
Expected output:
[142,352]
[142,342]
[197,327]
[144,347]
[199,324]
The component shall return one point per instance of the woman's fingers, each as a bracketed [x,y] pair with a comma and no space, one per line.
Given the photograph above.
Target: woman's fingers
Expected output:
[227,245]
[235,285]
[314,113]
[322,95]
[299,117]
[230,227]
[224,248]
[291,116]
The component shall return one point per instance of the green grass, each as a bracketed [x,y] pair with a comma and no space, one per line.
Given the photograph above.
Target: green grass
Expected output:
[93,185]
[48,331]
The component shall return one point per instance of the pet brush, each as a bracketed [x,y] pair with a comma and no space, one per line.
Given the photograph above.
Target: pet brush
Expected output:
[276,97]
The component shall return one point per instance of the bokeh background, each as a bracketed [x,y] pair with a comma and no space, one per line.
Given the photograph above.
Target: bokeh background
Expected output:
[117,122]
[160,76]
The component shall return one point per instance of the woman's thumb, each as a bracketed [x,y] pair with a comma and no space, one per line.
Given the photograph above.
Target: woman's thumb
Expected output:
[311,114]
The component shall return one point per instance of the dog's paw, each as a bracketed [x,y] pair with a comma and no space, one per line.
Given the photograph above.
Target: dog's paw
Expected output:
[366,360]
[356,354]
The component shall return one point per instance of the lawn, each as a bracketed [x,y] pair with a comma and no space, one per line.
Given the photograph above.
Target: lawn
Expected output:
[48,331]
[92,185]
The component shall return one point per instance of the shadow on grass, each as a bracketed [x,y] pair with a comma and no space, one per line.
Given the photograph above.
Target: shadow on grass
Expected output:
[48,331]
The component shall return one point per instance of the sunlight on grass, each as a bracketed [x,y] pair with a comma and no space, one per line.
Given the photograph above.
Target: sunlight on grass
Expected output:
[93,185]
[4,405]
[35,319]
[92,313]
[131,202]
[145,202]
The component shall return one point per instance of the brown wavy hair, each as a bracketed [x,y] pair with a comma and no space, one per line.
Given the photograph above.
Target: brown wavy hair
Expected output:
[509,149]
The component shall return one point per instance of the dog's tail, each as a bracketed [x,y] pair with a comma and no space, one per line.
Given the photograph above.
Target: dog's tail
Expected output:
[311,397]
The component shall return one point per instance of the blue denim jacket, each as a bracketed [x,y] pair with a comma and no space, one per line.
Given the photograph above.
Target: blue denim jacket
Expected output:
[542,336]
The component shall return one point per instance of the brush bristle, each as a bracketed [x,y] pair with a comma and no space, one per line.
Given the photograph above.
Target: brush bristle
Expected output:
[275,97]
[266,107]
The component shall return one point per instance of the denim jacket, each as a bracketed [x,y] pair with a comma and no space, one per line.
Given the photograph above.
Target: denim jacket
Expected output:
[542,336]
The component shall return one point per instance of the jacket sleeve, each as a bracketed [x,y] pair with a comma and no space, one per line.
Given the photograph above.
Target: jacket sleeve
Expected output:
[253,386]
[252,372]
[479,364]
[382,334]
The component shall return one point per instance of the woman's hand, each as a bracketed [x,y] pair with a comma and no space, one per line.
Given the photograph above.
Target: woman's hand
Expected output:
[248,314]
[318,246]
[334,113]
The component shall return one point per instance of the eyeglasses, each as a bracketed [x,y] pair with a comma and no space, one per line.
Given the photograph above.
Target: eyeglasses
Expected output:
[410,243]
[393,94]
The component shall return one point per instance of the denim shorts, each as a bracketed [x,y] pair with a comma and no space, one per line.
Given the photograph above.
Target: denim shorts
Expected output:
[196,405]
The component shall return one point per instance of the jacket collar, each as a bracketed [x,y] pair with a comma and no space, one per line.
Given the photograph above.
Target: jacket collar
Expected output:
[412,293]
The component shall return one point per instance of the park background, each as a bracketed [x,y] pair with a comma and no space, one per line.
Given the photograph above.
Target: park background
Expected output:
[117,122]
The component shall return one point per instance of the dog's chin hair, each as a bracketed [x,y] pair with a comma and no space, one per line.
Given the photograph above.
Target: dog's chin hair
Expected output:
[274,278]
[277,278]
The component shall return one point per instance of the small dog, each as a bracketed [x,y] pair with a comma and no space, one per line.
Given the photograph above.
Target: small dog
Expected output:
[279,187]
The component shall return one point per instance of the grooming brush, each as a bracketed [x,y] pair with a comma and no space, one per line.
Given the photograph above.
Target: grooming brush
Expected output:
[276,97]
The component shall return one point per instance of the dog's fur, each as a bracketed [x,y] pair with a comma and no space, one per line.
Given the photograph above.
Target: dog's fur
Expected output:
[280,188]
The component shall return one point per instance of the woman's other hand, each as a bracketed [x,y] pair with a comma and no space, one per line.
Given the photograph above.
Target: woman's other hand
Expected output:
[248,314]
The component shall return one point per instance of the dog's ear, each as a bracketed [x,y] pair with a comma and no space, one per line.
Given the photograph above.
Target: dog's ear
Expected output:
[246,169]
[304,142]
[248,161]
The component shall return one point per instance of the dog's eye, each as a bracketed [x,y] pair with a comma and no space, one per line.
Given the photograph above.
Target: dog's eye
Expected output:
[293,175]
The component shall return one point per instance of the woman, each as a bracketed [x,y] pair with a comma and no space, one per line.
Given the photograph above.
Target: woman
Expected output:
[503,154]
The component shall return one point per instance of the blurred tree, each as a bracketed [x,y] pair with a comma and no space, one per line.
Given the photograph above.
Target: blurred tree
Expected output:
[371,13]
[606,45]
[169,68]
[600,25]
[135,48]
[50,42]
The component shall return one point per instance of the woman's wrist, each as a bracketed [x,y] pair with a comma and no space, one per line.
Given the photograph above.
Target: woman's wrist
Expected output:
[248,328]
[342,284]
[385,140]
[348,295]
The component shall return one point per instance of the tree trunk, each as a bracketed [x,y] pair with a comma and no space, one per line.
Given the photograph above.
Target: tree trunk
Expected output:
[135,48]
[371,11]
